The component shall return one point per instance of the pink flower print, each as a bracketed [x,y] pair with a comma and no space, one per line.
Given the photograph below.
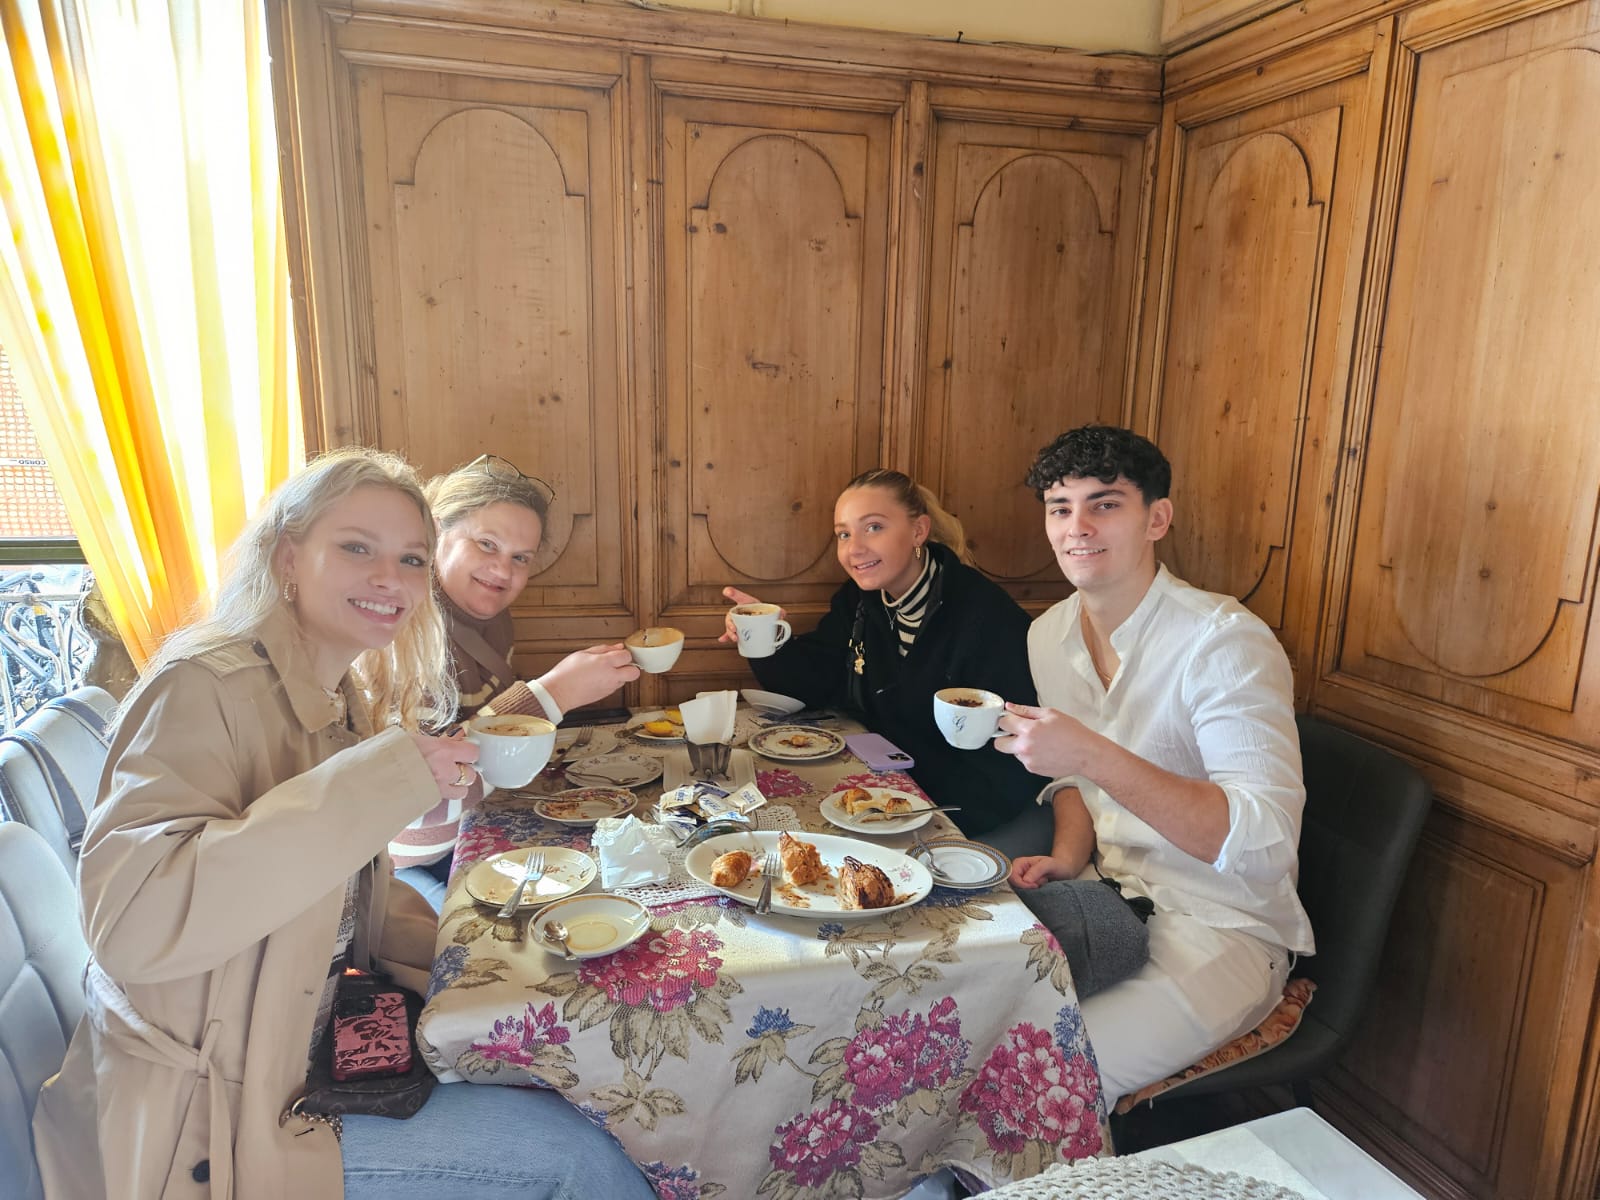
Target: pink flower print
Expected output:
[906,1052]
[661,971]
[819,1144]
[1027,1090]
[515,1040]
[780,782]
[1049,938]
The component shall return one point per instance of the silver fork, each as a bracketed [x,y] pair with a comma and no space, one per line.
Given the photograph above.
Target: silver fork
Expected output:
[532,874]
[770,866]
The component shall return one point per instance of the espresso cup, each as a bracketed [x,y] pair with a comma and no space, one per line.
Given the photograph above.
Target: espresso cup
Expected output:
[512,748]
[968,717]
[655,649]
[760,630]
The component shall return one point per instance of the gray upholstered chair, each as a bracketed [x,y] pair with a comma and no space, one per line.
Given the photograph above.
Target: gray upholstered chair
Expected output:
[42,956]
[50,768]
[1364,812]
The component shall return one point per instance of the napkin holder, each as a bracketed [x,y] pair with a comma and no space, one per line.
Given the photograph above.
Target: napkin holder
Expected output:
[709,760]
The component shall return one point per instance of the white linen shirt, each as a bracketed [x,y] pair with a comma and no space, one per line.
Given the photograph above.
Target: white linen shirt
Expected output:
[1205,691]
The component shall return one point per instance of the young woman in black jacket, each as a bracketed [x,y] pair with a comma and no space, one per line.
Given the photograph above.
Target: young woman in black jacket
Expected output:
[913,618]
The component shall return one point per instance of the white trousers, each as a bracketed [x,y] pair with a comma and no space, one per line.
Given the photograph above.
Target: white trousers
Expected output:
[1202,988]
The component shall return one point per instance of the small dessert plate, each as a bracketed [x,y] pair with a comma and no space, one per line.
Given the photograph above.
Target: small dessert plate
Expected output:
[772,701]
[596,925]
[970,866]
[796,743]
[585,806]
[623,769]
[565,871]
[921,813]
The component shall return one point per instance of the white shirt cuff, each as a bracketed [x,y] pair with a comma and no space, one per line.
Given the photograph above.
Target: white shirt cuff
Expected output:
[552,711]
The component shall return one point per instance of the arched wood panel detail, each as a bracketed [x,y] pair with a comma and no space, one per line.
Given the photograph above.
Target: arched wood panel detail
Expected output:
[1034,233]
[1237,377]
[1476,552]
[774,321]
[775,286]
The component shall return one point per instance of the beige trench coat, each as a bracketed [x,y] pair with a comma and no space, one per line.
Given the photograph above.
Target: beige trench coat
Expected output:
[234,810]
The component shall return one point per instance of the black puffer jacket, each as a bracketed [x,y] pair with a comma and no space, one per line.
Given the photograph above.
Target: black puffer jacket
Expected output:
[974,635]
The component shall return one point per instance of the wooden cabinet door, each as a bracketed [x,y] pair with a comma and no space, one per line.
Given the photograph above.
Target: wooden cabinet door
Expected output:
[775,205]
[1032,259]
[1268,179]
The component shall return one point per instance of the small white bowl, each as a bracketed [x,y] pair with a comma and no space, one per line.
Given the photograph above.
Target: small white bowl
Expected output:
[772,701]
[597,924]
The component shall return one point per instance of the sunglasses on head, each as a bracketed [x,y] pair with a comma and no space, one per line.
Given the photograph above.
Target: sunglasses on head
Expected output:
[502,468]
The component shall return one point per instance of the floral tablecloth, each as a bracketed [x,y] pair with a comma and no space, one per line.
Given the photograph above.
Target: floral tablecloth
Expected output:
[741,1056]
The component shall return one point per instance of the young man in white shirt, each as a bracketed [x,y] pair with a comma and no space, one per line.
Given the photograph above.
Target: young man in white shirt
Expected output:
[1166,721]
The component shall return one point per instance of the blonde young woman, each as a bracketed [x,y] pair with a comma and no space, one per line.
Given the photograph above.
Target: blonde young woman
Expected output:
[235,863]
[491,519]
[913,617]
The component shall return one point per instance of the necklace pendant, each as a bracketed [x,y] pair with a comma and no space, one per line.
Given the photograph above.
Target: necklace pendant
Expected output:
[860,664]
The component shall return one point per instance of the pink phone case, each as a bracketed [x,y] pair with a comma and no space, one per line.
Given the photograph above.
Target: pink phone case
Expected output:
[371,1042]
[878,752]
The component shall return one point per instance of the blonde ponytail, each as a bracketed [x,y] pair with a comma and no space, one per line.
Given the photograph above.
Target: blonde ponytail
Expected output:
[944,527]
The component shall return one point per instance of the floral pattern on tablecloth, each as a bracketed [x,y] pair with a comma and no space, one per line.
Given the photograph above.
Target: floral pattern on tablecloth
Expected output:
[781,1057]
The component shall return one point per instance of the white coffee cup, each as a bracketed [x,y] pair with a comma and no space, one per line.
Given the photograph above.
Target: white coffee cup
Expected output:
[760,629]
[968,717]
[512,748]
[655,649]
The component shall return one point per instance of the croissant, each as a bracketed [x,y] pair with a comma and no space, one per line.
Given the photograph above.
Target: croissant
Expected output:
[862,885]
[801,862]
[731,869]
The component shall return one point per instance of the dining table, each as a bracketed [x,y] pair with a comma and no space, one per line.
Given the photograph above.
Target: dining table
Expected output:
[788,1055]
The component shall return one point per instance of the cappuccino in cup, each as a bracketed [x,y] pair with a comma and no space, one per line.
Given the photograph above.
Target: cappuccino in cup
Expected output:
[760,629]
[968,717]
[655,649]
[512,748]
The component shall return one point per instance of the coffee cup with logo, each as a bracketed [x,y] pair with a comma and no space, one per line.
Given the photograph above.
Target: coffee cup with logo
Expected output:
[761,631]
[968,717]
[512,748]
[655,649]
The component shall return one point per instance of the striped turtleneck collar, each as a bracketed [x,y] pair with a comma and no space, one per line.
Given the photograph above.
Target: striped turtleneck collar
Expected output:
[908,612]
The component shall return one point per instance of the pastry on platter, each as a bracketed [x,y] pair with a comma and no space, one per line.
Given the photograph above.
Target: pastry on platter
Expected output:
[801,862]
[862,885]
[731,869]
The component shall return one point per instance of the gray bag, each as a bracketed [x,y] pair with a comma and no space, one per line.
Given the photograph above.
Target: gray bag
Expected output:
[1101,932]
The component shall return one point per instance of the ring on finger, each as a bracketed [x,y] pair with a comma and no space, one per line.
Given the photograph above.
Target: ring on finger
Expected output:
[464,774]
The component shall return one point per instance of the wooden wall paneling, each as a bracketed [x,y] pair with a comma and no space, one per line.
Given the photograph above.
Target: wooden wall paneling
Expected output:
[1036,233]
[777,192]
[1270,180]
[1451,1081]
[1472,582]
[1185,22]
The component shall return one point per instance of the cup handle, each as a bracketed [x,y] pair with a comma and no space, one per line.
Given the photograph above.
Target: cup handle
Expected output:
[781,634]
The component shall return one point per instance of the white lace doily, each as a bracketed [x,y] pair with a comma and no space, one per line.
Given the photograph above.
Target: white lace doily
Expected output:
[681,886]
[1123,1178]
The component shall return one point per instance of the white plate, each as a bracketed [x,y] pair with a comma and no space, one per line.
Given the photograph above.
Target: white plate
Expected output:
[910,878]
[771,701]
[741,770]
[625,768]
[596,925]
[836,815]
[967,865]
[565,871]
[773,742]
[585,806]
[603,741]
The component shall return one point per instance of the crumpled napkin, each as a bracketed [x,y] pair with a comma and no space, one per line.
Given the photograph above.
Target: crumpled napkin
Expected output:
[709,717]
[631,852]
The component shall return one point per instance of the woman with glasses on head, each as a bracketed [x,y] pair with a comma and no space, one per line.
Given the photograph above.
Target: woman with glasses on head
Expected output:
[234,866]
[491,519]
[913,617]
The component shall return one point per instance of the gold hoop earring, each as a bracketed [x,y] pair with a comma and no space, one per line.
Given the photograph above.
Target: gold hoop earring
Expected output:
[291,591]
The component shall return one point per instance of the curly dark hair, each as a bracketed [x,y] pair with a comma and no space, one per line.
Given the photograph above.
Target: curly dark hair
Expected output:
[1103,452]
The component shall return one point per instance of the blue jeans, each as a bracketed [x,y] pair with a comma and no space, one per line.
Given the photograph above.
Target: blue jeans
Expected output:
[482,1142]
[429,881]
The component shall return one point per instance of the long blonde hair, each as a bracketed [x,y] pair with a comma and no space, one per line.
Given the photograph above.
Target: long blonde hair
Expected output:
[944,527]
[407,682]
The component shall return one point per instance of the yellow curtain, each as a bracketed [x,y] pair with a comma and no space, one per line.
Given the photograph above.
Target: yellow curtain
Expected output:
[144,297]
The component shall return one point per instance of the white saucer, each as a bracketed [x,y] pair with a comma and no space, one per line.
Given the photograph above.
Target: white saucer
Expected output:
[624,768]
[772,701]
[969,866]
[596,925]
[565,871]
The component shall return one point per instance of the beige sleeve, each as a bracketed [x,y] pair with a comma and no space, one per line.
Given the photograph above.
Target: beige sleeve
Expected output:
[185,863]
